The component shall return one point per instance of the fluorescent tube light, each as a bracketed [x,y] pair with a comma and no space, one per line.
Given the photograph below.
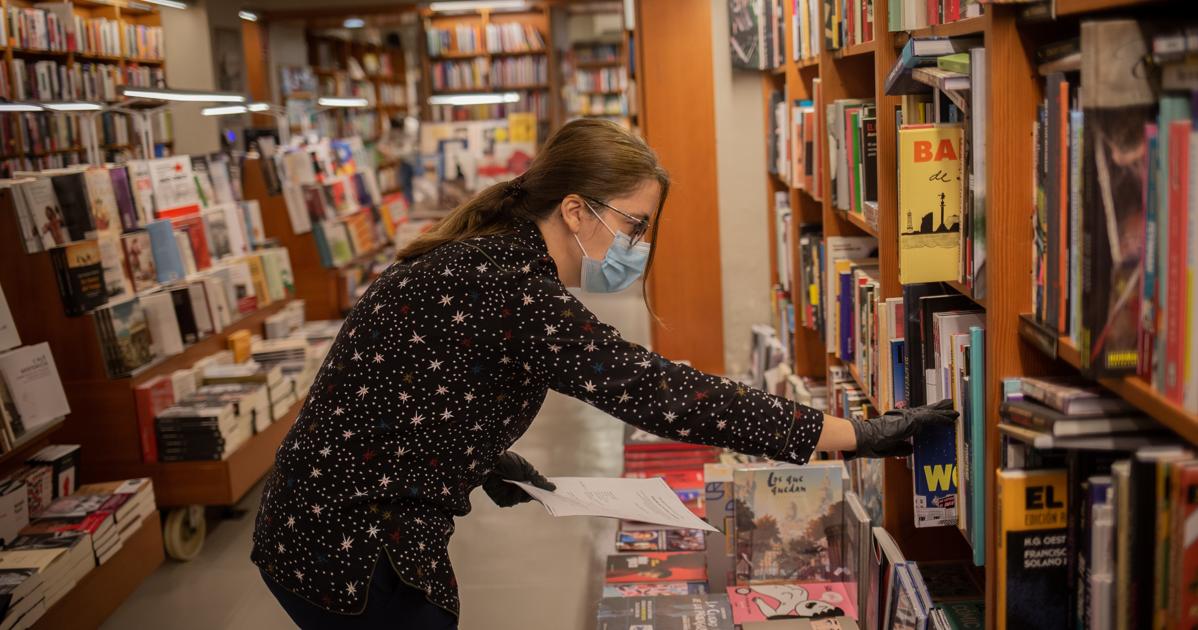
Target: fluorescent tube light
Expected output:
[258,107]
[248,16]
[472,5]
[74,106]
[20,107]
[474,99]
[353,23]
[188,96]
[171,4]
[224,110]
[335,101]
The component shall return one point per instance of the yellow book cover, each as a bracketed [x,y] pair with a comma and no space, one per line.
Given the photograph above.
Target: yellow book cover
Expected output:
[239,344]
[930,210]
[258,276]
[1032,550]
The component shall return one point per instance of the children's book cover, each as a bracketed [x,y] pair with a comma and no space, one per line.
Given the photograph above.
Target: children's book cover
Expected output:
[656,567]
[816,600]
[930,203]
[789,523]
[935,473]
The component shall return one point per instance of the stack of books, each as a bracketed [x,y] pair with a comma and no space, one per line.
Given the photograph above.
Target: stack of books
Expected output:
[196,428]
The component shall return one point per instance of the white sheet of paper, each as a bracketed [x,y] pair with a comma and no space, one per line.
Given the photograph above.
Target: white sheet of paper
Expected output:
[645,500]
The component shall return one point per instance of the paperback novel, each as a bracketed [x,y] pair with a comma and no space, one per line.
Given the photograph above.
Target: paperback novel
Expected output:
[930,207]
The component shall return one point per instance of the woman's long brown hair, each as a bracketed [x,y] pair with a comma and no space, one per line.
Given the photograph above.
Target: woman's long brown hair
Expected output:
[590,158]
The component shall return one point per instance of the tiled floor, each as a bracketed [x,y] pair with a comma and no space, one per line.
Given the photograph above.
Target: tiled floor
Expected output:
[518,568]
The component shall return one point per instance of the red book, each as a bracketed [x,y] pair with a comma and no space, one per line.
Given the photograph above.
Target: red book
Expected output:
[1179,178]
[152,397]
[1184,600]
[656,567]
[952,10]
[193,226]
[933,12]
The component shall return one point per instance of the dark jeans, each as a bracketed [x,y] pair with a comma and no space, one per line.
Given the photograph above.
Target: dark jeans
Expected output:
[389,604]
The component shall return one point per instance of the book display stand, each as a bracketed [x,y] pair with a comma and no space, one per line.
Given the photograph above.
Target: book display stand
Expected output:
[1013,347]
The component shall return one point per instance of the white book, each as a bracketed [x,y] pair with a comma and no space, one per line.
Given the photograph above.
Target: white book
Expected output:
[185,253]
[164,326]
[143,190]
[200,309]
[32,379]
[105,214]
[218,303]
[9,338]
[297,211]
[174,186]
[183,383]
[112,260]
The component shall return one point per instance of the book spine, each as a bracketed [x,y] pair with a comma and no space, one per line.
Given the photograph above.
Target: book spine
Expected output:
[977,453]
[1062,96]
[1179,171]
[1189,384]
[1052,193]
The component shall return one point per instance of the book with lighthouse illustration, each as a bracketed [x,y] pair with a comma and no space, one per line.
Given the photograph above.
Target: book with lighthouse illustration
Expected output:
[930,193]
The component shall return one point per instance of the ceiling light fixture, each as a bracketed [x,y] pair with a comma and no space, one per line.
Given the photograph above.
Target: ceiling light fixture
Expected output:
[20,107]
[171,4]
[248,16]
[224,110]
[472,5]
[186,96]
[73,106]
[475,99]
[338,101]
[258,107]
[353,22]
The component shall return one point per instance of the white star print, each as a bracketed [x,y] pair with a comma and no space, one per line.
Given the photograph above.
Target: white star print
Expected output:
[362,391]
[504,360]
[358,493]
[416,338]
[384,481]
[324,452]
[299,575]
[564,297]
[347,434]
[550,329]
[459,317]
[469,450]
[644,363]
[357,356]
[590,347]
[482,268]
[445,415]
[445,490]
[316,509]
[527,299]
[554,348]
[441,389]
[507,421]
[373,531]
[684,432]
[338,411]
[404,396]
[527,367]
[315,474]
[417,419]
[589,386]
[377,308]
[624,397]
[526,269]
[434,365]
[351,588]
[401,451]
[469,397]
[473,464]
[476,427]
[776,403]
[378,358]
[670,416]
[403,283]
[353,331]
[447,272]
[418,521]
[281,548]
[419,545]
[290,521]
[433,564]
[446,300]
[721,424]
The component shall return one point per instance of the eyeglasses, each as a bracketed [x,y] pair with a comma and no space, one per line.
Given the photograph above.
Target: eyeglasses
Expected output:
[640,226]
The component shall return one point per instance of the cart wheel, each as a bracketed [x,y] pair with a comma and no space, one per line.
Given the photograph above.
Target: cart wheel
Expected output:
[183,532]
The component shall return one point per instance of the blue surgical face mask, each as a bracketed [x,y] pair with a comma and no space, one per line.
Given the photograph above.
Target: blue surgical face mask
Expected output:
[620,267]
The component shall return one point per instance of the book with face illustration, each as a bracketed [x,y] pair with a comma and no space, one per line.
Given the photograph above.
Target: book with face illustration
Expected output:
[789,523]
[802,600]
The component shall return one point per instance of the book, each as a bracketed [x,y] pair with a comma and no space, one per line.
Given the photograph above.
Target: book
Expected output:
[656,567]
[711,612]
[105,214]
[660,589]
[9,337]
[784,516]
[1035,416]
[70,189]
[815,600]
[930,207]
[124,335]
[174,187]
[168,262]
[908,609]
[80,275]
[63,462]
[1032,590]
[46,217]
[139,260]
[192,226]
[122,194]
[1073,396]
[117,283]
[164,325]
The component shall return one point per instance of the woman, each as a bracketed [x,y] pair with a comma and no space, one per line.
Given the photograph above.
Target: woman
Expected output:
[447,358]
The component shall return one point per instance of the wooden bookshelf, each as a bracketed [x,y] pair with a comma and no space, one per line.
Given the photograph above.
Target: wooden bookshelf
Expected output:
[535,14]
[102,590]
[1013,347]
[124,14]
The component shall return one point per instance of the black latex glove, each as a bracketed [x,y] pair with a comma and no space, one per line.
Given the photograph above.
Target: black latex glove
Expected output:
[887,435]
[510,466]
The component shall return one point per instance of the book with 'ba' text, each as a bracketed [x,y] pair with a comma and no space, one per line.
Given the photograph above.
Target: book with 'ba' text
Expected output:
[930,209]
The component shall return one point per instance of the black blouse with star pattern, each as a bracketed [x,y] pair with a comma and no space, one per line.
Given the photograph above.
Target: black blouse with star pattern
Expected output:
[438,369]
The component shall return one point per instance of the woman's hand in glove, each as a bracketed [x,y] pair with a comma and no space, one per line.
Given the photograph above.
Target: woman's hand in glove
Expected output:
[886,435]
[511,467]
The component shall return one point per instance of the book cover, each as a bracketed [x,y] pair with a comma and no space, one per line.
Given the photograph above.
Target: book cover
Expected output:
[184,315]
[659,589]
[930,203]
[122,194]
[192,226]
[656,567]
[745,31]
[1073,396]
[977,434]
[340,248]
[870,485]
[117,284]
[9,337]
[132,344]
[789,522]
[1185,532]
[254,228]
[139,260]
[31,378]
[152,397]
[816,600]
[71,191]
[142,187]
[80,275]
[907,611]
[45,212]
[710,612]
[934,469]
[216,232]
[164,325]
[174,187]
[1032,548]
[105,214]
[168,262]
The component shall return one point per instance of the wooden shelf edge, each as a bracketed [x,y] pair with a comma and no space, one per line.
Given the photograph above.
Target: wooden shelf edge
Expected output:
[858,221]
[810,62]
[968,26]
[107,586]
[1131,388]
[856,50]
[1074,7]
[31,441]
[966,291]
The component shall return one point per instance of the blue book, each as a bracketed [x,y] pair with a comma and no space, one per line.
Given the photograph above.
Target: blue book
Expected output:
[165,250]
[898,376]
[322,245]
[935,472]
[977,453]
[846,316]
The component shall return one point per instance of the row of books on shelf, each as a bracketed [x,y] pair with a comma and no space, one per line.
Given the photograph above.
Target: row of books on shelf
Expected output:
[536,102]
[511,37]
[391,94]
[848,23]
[757,34]
[909,15]
[209,409]
[31,392]
[460,75]
[519,71]
[598,52]
[1115,241]
[54,26]
[599,104]
[806,30]
[1095,506]
[795,146]
[600,80]
[55,533]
